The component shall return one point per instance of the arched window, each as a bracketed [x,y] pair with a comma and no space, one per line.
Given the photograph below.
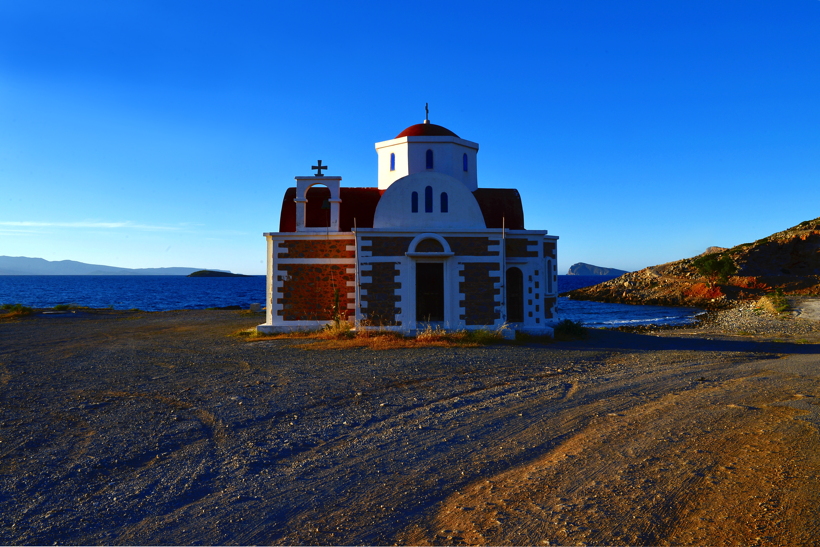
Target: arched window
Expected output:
[393,162]
[445,205]
[414,202]
[464,161]
[429,245]
[428,199]
[429,159]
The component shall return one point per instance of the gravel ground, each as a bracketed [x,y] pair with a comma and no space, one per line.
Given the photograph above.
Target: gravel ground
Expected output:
[161,428]
[747,318]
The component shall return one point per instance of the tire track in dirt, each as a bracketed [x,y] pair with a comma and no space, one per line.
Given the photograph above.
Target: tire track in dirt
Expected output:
[97,470]
[512,428]
[442,425]
[586,488]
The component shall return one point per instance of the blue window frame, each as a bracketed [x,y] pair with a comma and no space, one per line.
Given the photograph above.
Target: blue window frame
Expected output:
[464,161]
[445,205]
[429,159]
[428,199]
[414,202]
[393,162]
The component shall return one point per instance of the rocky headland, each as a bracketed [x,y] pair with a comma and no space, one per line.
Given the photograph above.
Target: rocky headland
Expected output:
[786,262]
[582,268]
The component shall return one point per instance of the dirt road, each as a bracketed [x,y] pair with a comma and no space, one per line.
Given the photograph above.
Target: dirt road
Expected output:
[138,428]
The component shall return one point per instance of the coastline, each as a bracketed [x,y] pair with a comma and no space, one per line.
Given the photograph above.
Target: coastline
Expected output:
[137,427]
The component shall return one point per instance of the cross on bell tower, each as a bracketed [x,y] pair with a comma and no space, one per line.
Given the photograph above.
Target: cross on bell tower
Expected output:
[319,169]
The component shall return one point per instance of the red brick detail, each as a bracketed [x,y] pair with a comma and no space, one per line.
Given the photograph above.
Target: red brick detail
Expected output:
[317,248]
[471,246]
[479,294]
[517,248]
[429,245]
[549,249]
[549,303]
[307,292]
[386,246]
[381,295]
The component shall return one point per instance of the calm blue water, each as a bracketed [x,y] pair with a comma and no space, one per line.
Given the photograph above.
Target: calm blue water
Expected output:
[123,292]
[170,292]
[599,314]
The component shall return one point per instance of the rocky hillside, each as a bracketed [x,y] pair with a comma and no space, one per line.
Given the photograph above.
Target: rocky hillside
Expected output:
[788,260]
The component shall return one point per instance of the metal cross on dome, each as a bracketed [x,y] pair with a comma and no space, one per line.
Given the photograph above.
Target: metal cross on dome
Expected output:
[319,169]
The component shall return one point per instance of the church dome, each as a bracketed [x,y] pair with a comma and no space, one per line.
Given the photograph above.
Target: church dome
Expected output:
[426,130]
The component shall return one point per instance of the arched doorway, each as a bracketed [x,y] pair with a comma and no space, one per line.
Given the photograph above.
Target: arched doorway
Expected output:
[515,295]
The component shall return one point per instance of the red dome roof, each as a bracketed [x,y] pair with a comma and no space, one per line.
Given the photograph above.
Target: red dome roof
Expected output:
[426,130]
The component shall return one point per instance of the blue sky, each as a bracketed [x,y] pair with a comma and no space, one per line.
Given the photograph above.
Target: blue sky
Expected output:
[149,134]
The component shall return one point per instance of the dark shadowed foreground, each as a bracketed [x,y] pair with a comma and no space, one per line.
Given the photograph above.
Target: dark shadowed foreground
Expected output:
[159,428]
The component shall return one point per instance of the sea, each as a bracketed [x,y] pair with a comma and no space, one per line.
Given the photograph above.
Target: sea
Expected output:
[171,292]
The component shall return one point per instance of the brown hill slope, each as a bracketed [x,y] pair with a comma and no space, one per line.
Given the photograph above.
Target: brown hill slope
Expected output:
[788,260]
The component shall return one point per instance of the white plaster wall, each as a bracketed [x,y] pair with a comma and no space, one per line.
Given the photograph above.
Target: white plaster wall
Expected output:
[394,208]
[398,147]
[411,158]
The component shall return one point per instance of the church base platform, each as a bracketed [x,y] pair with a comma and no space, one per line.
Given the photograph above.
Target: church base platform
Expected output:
[267,328]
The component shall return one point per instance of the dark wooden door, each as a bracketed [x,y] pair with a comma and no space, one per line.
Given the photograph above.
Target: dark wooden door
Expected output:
[429,291]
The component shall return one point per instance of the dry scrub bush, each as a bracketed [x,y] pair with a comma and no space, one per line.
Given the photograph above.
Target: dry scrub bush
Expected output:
[775,303]
[570,330]
[14,311]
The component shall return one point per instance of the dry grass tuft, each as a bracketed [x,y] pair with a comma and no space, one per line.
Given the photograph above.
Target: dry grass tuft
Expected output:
[252,335]
[336,337]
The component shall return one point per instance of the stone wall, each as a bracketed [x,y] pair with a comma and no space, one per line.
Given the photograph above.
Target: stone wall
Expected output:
[518,248]
[307,291]
[317,248]
[472,246]
[386,246]
[479,293]
[379,294]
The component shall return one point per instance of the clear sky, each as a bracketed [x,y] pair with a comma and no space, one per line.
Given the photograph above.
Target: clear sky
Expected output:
[149,134]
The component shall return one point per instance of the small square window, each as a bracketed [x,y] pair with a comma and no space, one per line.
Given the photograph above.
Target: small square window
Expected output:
[530,314]
[529,302]
[537,307]
[529,289]
[530,279]
[536,272]
[536,296]
[536,284]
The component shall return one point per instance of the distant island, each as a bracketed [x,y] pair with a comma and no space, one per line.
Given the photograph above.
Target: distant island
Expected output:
[588,269]
[22,265]
[215,273]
